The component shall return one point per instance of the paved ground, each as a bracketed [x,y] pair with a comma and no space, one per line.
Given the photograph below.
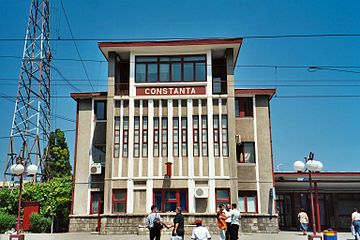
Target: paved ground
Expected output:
[88,236]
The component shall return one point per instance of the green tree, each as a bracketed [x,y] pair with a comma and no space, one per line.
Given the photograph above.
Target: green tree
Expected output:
[57,163]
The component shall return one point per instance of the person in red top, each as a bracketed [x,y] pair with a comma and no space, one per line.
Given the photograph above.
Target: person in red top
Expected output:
[221,217]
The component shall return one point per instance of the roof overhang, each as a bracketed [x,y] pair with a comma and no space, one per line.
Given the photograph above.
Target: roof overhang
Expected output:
[172,46]
[256,91]
[87,95]
[326,181]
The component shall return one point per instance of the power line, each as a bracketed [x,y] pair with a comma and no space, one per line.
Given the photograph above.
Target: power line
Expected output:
[274,36]
[76,47]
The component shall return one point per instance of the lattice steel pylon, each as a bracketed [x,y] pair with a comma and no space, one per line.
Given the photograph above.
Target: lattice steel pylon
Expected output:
[29,136]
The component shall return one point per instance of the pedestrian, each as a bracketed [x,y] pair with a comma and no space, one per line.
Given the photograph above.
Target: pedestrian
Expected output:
[227,212]
[155,223]
[221,217]
[304,220]
[235,222]
[178,224]
[355,220]
[200,232]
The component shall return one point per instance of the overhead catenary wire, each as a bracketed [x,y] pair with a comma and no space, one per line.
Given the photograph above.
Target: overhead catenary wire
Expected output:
[76,47]
[259,36]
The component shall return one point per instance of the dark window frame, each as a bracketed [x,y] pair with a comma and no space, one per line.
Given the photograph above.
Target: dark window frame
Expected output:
[182,62]
[222,200]
[118,200]
[137,130]
[156,133]
[145,136]
[177,200]
[196,132]
[245,195]
[244,107]
[101,200]
[240,158]
[225,143]
[96,109]
[184,133]
[117,131]
[164,131]
[176,140]
[216,134]
[205,130]
[125,137]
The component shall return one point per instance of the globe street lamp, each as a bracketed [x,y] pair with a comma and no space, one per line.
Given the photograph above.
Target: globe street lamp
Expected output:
[18,170]
[310,165]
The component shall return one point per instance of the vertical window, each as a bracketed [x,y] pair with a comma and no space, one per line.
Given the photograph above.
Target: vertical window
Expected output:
[100,110]
[152,72]
[247,202]
[117,137]
[176,136]
[196,135]
[136,136]
[119,201]
[224,132]
[164,72]
[145,137]
[94,202]
[125,136]
[184,136]
[244,107]
[167,200]
[245,152]
[216,136]
[140,73]
[156,136]
[204,135]
[164,137]
[222,196]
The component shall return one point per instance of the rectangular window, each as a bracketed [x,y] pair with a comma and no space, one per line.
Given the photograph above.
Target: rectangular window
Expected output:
[224,133]
[222,196]
[100,110]
[164,137]
[247,202]
[156,136]
[204,136]
[94,202]
[119,201]
[244,107]
[125,136]
[176,136]
[196,136]
[136,136]
[184,136]
[216,136]
[145,137]
[167,200]
[170,68]
[245,152]
[117,137]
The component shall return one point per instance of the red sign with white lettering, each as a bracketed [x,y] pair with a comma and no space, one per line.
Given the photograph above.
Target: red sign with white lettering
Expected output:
[156,91]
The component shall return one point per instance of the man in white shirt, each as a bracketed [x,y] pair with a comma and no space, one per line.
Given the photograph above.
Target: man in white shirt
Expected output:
[227,212]
[355,219]
[235,222]
[200,232]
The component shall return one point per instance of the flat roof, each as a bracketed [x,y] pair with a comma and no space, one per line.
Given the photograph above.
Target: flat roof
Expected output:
[256,91]
[85,95]
[171,46]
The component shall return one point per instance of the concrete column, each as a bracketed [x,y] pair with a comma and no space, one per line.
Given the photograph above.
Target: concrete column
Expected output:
[110,131]
[231,125]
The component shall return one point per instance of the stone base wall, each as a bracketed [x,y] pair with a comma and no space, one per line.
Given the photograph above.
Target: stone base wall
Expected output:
[136,223]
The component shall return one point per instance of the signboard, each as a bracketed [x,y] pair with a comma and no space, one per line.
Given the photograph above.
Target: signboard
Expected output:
[170,91]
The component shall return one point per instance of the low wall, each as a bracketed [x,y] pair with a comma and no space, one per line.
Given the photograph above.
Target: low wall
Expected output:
[136,223]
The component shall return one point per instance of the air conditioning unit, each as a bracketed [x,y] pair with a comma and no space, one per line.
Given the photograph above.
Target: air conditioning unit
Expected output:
[95,168]
[201,192]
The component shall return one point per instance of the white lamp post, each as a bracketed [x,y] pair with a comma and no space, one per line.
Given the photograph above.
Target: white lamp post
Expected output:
[310,166]
[18,169]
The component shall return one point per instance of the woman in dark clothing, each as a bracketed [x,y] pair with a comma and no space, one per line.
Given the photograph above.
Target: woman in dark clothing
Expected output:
[178,224]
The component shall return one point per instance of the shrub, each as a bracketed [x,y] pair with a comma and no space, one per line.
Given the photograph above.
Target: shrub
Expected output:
[7,222]
[39,224]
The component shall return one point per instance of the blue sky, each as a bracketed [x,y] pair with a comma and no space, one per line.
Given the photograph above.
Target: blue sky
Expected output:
[327,126]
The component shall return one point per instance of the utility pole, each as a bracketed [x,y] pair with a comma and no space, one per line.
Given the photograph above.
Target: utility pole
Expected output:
[29,135]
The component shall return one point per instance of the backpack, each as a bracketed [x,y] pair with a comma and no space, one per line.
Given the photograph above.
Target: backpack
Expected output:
[157,224]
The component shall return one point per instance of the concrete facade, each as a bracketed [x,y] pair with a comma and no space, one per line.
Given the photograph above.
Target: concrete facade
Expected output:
[159,142]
